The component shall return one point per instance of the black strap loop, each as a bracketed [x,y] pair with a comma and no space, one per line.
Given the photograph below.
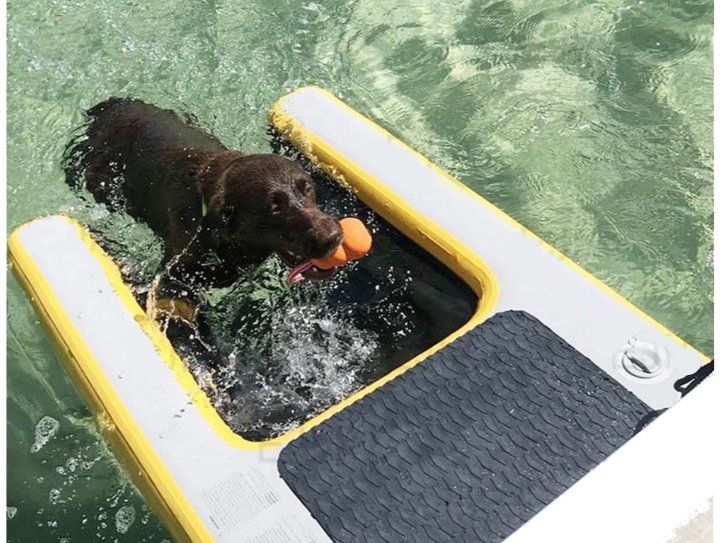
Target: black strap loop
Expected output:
[688,382]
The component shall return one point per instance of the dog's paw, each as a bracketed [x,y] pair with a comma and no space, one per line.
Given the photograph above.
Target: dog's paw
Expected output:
[175,308]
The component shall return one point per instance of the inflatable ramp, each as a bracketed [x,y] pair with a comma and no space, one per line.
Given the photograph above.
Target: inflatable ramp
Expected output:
[468,441]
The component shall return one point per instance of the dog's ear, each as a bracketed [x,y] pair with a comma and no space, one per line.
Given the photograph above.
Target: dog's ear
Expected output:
[218,206]
[222,221]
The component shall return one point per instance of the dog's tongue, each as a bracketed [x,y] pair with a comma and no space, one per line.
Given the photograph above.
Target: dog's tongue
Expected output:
[296,274]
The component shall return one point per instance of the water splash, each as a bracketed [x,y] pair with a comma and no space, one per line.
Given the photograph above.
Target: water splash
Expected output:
[309,358]
[287,354]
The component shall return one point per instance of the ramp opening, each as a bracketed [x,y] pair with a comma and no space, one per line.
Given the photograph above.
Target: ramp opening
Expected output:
[272,356]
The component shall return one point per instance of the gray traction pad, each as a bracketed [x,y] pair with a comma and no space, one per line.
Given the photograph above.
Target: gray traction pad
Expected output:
[466,446]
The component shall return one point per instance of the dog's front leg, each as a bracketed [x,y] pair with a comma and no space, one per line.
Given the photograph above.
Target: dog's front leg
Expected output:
[181,277]
[174,292]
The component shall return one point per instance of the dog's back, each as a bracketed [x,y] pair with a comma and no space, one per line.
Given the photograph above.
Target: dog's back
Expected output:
[196,194]
[130,154]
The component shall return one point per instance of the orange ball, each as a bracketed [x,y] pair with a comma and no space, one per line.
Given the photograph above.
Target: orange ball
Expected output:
[355,245]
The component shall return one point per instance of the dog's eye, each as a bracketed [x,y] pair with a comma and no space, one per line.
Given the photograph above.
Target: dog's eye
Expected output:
[303,186]
[279,203]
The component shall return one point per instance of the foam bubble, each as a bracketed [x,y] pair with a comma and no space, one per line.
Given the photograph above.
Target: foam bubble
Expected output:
[45,430]
[124,518]
[54,495]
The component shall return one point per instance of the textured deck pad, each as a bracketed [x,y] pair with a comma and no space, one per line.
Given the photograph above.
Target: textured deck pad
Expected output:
[466,446]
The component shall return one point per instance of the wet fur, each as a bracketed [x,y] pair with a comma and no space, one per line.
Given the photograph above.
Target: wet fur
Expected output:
[161,169]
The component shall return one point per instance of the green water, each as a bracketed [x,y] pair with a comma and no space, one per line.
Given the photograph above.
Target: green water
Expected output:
[589,122]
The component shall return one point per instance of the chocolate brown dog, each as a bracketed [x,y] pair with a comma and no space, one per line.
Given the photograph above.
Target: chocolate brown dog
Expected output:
[217,210]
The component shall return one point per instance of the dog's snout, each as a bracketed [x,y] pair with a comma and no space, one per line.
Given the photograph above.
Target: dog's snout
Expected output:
[328,236]
[333,240]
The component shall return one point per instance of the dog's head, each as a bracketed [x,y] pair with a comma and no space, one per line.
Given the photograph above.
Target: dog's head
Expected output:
[269,202]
